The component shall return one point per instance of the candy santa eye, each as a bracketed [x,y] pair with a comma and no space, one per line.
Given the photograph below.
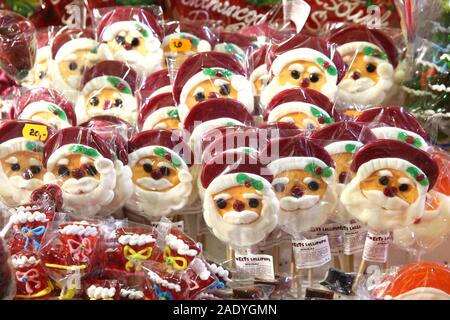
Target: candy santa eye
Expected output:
[15,167]
[225,89]
[147,167]
[309,124]
[314,77]
[91,170]
[164,171]
[63,171]
[371,67]
[94,101]
[384,181]
[313,186]
[35,169]
[73,66]
[295,74]
[221,203]
[199,96]
[118,103]
[41,75]
[120,40]
[279,187]
[403,187]
[135,42]
[253,203]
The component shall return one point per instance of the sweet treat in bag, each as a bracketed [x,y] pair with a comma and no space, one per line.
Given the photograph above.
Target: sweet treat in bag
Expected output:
[307,109]
[304,182]
[239,203]
[342,140]
[259,77]
[47,106]
[211,75]
[73,51]
[108,88]
[131,35]
[159,112]
[371,57]
[238,44]
[161,179]
[389,188]
[156,83]
[21,152]
[80,162]
[305,62]
[417,281]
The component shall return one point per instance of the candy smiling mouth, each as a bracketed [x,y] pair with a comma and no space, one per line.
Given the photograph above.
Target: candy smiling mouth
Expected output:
[292,204]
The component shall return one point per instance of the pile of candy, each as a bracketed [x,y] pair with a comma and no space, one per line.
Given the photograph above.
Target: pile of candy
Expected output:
[264,134]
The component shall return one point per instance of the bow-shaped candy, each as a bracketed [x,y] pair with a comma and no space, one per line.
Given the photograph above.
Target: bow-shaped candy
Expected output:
[135,258]
[162,295]
[29,277]
[31,234]
[247,181]
[179,263]
[80,251]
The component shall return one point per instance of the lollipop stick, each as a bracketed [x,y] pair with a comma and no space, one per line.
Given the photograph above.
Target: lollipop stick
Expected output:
[337,262]
[230,256]
[310,277]
[362,268]
[276,258]
[349,263]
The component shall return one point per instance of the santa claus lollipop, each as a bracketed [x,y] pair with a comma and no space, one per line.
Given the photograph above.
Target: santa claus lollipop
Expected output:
[371,57]
[304,182]
[161,178]
[133,36]
[159,112]
[73,50]
[47,106]
[39,75]
[21,169]
[307,109]
[239,204]
[156,83]
[184,39]
[108,88]
[237,44]
[211,75]
[342,140]
[80,162]
[305,62]
[394,122]
[390,185]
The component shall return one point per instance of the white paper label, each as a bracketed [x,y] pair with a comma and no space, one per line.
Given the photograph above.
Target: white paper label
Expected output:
[354,237]
[335,236]
[178,224]
[258,265]
[311,253]
[376,247]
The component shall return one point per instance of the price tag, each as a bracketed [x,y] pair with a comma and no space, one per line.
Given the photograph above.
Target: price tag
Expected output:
[180,45]
[35,131]
[258,265]
[178,224]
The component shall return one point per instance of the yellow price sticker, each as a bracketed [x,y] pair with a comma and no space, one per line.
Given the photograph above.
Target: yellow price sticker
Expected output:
[35,131]
[180,45]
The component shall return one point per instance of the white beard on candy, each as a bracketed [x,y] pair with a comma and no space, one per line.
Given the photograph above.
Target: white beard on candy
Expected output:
[156,204]
[122,191]
[232,231]
[96,193]
[301,214]
[430,231]
[365,91]
[368,207]
[17,190]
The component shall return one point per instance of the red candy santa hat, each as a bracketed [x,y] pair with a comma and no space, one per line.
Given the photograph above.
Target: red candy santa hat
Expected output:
[308,101]
[394,122]
[23,135]
[382,154]
[115,131]
[300,153]
[162,143]
[200,35]
[70,40]
[417,281]
[74,140]
[156,109]
[344,136]
[207,66]
[45,100]
[371,42]
[156,83]
[128,18]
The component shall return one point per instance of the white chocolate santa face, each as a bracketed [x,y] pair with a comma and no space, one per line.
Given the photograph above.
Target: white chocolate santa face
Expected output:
[162,183]
[212,88]
[104,99]
[304,74]
[369,77]
[238,205]
[72,67]
[76,166]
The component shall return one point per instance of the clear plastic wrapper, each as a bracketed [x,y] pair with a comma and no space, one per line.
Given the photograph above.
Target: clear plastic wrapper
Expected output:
[417,281]
[17,45]
[80,162]
[159,112]
[156,83]
[238,44]
[162,181]
[371,57]
[47,106]
[131,35]
[7,282]
[108,88]
[72,51]
[306,62]
[21,158]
